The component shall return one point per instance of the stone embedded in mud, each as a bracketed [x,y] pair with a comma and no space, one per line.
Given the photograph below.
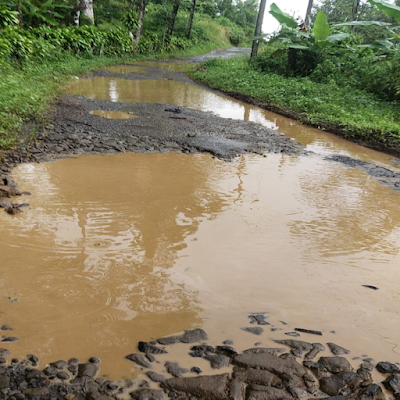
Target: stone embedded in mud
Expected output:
[256,350]
[88,370]
[370,287]
[205,387]
[393,383]
[63,375]
[190,336]
[226,350]
[33,359]
[267,393]
[145,347]
[6,328]
[257,376]
[50,371]
[317,348]
[372,391]
[138,359]
[297,345]
[294,334]
[61,364]
[310,331]
[236,390]
[156,377]
[174,369]
[147,394]
[258,319]
[4,352]
[94,360]
[337,350]
[218,361]
[276,365]
[336,364]
[9,339]
[385,367]
[254,330]
[335,384]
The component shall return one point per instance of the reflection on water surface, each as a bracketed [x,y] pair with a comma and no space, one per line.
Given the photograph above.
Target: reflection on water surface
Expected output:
[185,95]
[121,248]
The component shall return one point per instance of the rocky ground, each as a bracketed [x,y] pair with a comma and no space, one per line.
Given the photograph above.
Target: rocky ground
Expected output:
[292,370]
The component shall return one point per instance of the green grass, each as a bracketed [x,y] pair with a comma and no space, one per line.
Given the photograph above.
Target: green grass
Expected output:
[25,92]
[353,113]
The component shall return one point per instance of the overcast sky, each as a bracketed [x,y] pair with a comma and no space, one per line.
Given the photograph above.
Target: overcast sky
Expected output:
[297,8]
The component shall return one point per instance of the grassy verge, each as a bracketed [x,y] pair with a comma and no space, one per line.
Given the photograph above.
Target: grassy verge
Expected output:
[352,113]
[25,92]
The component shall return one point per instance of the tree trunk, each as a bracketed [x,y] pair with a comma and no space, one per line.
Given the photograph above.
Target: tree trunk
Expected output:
[20,13]
[139,30]
[77,12]
[189,28]
[87,9]
[354,12]
[308,13]
[260,18]
[175,9]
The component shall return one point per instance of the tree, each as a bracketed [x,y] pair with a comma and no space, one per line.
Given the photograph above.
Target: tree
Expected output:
[77,12]
[340,11]
[191,16]
[139,30]
[87,9]
[172,20]
[308,13]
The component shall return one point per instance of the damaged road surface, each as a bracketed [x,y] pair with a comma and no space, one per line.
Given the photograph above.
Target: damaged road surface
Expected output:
[152,262]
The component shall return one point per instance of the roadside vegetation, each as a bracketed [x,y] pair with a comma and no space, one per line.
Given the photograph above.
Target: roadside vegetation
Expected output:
[43,43]
[342,76]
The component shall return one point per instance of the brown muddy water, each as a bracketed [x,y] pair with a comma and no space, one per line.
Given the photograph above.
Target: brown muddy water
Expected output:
[128,247]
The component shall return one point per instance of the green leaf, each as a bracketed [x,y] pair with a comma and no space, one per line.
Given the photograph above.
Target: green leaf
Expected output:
[298,47]
[363,23]
[321,27]
[383,44]
[282,17]
[390,10]
[338,37]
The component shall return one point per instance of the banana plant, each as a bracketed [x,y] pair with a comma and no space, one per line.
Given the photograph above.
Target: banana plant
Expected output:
[302,38]
[392,11]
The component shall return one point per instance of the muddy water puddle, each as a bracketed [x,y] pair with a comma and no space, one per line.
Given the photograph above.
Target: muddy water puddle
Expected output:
[121,248]
[191,96]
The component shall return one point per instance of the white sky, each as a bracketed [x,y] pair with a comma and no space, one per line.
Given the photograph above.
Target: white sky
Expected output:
[297,8]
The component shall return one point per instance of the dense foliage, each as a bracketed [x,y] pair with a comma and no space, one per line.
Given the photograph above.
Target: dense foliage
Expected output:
[337,53]
[38,28]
